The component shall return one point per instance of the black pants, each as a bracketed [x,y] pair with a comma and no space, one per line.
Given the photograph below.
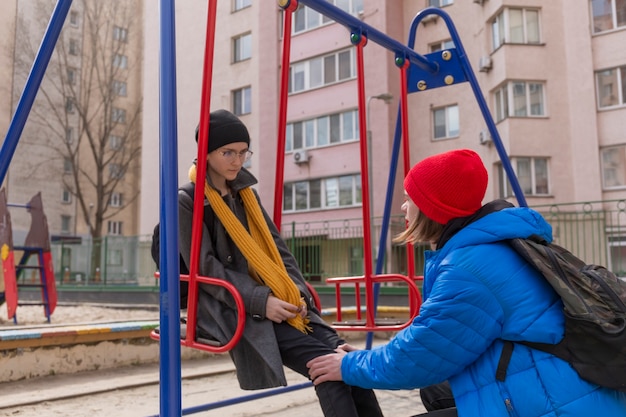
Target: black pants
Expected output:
[438,400]
[336,398]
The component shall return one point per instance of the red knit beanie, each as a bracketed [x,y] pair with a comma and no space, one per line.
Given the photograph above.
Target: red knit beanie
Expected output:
[448,185]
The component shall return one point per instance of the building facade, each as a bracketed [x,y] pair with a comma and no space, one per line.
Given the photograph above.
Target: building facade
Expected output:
[81,145]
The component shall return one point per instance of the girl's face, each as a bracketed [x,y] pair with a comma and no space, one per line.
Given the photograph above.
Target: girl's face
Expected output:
[225,163]
[409,209]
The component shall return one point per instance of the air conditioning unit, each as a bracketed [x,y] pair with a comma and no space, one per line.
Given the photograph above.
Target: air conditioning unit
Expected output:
[484,63]
[300,157]
[484,137]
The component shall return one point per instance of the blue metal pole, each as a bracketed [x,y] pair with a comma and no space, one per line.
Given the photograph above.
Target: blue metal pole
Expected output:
[169,341]
[357,26]
[244,398]
[471,77]
[32,85]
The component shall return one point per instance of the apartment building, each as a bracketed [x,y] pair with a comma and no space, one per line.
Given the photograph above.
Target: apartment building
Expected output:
[81,144]
[551,73]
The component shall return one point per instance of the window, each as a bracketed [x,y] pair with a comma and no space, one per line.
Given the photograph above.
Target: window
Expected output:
[440,3]
[242,47]
[118,115]
[69,105]
[515,26]
[613,165]
[119,88]
[68,165]
[73,47]
[321,71]
[520,99]
[116,200]
[120,61]
[74,18]
[306,19]
[69,135]
[335,192]
[242,101]
[114,227]
[120,34]
[608,14]
[440,46]
[115,142]
[66,197]
[71,76]
[322,131]
[611,87]
[66,221]
[446,122]
[532,175]
[241,4]
[116,171]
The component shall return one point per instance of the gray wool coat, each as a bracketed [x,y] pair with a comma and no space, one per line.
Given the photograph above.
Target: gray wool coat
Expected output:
[256,356]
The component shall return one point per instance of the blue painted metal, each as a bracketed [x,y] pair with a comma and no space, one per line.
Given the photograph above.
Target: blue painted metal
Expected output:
[32,85]
[450,72]
[463,61]
[249,397]
[358,27]
[169,313]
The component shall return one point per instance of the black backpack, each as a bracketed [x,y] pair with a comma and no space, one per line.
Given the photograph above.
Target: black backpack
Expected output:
[188,188]
[594,302]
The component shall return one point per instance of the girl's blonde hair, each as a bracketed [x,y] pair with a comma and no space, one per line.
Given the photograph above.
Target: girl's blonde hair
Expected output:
[422,229]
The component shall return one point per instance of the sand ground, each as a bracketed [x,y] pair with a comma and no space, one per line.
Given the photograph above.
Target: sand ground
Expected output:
[136,391]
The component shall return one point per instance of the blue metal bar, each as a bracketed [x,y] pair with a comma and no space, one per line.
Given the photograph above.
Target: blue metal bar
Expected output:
[469,73]
[359,27]
[32,85]
[169,313]
[244,398]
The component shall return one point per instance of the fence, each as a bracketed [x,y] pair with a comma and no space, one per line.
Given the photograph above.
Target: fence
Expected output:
[595,231]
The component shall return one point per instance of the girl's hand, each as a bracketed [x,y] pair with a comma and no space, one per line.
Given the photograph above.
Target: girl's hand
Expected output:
[278,310]
[326,368]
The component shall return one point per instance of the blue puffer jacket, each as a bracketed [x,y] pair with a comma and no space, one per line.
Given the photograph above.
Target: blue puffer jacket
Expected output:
[477,291]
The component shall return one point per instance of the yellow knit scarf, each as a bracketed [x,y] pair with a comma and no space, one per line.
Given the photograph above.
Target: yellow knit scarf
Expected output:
[258,246]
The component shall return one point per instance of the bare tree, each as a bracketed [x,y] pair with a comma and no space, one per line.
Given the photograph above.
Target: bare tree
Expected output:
[89,104]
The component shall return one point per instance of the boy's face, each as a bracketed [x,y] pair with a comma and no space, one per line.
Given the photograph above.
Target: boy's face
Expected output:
[226,162]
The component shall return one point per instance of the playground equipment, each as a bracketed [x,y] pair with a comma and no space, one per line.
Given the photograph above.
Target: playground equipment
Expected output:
[37,247]
[417,73]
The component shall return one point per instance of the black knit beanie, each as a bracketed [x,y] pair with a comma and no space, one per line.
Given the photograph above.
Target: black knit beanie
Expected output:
[225,128]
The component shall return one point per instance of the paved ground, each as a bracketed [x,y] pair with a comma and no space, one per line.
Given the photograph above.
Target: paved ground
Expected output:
[133,392]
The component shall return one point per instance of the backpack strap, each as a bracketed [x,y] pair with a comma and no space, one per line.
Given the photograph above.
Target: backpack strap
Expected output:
[505,358]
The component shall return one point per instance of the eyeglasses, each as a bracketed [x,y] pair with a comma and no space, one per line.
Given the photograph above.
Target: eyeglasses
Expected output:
[230,155]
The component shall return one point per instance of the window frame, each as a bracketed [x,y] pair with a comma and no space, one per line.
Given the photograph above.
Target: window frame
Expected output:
[114,227]
[618,77]
[505,189]
[242,101]
[120,34]
[501,28]
[306,69]
[619,171]
[293,193]
[241,4]
[504,100]
[237,50]
[321,127]
[614,13]
[448,133]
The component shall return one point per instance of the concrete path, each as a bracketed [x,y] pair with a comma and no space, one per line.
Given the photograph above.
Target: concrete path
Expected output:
[134,392]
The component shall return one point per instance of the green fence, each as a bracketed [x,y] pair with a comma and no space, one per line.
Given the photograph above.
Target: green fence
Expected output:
[595,231]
